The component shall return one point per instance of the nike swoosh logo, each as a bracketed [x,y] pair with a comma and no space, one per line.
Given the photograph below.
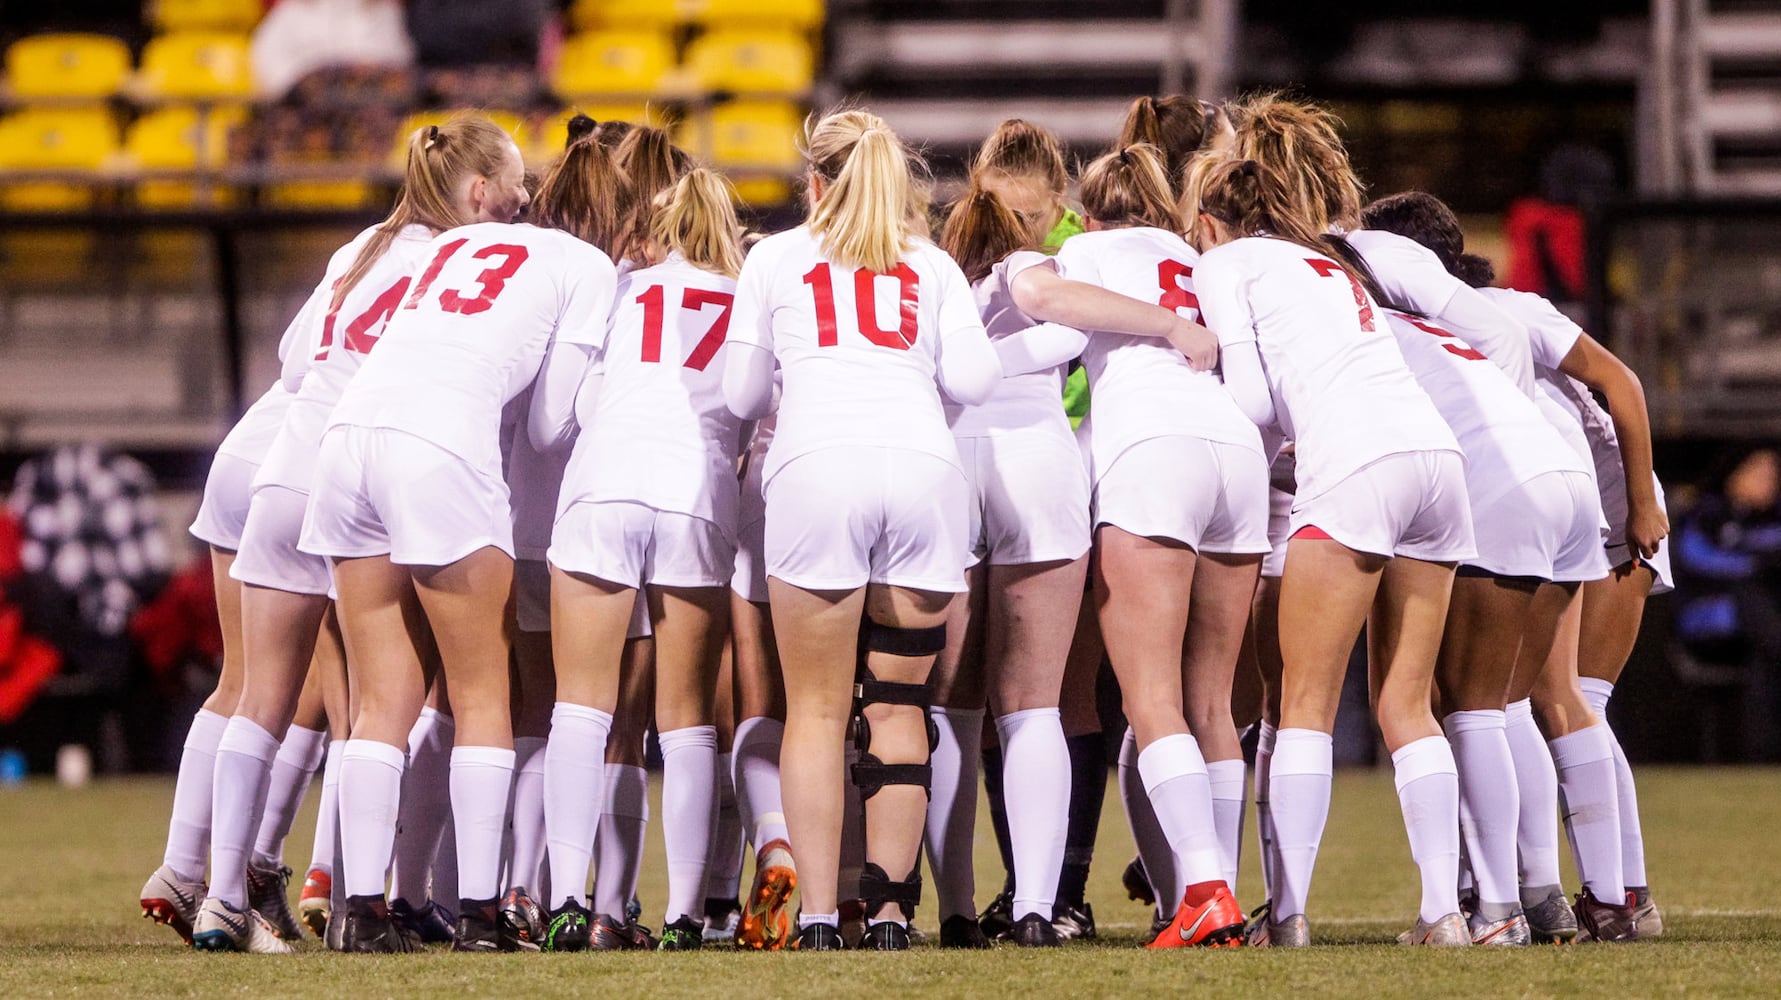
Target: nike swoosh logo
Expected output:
[1187,933]
[185,898]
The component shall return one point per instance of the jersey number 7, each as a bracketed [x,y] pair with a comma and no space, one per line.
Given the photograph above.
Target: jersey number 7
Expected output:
[1331,269]
[654,300]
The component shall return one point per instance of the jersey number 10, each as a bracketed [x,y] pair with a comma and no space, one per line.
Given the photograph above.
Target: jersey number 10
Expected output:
[821,280]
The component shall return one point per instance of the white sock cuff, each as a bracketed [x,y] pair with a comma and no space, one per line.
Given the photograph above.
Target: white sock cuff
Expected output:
[336,751]
[245,736]
[500,757]
[1229,778]
[1169,758]
[1007,724]
[1423,758]
[1519,711]
[759,729]
[528,753]
[1302,751]
[1266,737]
[1585,746]
[1128,748]
[207,730]
[372,750]
[627,791]
[1597,692]
[687,738]
[1474,721]
[566,711]
[303,747]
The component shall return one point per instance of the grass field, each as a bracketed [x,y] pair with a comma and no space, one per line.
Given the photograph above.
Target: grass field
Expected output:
[72,861]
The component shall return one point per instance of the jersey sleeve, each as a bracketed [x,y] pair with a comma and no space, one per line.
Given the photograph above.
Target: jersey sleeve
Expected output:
[749,360]
[1551,334]
[1039,348]
[1408,271]
[588,298]
[1018,261]
[1075,261]
[966,364]
[1224,308]
[302,338]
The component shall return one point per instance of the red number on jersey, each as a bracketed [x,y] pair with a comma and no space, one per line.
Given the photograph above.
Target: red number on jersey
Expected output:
[865,300]
[692,300]
[1449,342]
[1330,269]
[1176,296]
[431,274]
[362,333]
[490,281]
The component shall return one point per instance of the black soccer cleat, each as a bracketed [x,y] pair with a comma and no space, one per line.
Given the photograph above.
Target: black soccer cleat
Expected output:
[520,922]
[268,891]
[997,919]
[818,937]
[368,929]
[1074,923]
[608,933]
[477,926]
[1137,882]
[887,936]
[429,922]
[960,931]
[570,928]
[685,934]
[1034,931]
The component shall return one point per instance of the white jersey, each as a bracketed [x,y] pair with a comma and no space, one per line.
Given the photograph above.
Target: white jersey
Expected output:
[1414,275]
[1340,387]
[253,434]
[864,355]
[1026,400]
[661,434]
[471,333]
[1143,387]
[343,336]
[1506,439]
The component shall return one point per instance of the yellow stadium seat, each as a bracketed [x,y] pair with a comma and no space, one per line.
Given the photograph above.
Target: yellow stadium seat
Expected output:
[51,139]
[67,66]
[752,62]
[753,141]
[318,194]
[585,15]
[196,66]
[191,15]
[509,122]
[804,15]
[181,138]
[619,63]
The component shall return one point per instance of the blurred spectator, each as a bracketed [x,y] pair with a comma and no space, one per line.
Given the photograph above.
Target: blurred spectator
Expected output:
[1546,231]
[107,17]
[298,37]
[454,33]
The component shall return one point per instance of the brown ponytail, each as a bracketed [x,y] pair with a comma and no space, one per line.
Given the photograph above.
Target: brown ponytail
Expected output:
[1128,187]
[1019,148]
[1179,126]
[696,218]
[440,159]
[1299,141]
[585,195]
[980,231]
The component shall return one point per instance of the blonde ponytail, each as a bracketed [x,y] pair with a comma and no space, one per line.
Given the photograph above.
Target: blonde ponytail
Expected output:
[865,215]
[696,218]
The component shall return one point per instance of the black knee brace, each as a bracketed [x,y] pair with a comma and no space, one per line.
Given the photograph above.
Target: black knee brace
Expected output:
[870,774]
[876,889]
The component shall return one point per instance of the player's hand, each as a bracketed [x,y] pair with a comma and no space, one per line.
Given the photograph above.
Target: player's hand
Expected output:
[1646,526]
[1198,344]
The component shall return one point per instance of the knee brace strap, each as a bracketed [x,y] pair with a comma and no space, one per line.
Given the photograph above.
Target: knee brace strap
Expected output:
[871,774]
[869,690]
[896,641]
[876,889]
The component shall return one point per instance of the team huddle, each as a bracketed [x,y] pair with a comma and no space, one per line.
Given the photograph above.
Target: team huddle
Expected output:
[851,514]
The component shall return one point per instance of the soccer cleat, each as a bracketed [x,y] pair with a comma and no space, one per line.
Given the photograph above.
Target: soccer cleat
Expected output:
[1512,931]
[569,928]
[818,937]
[221,927]
[368,930]
[1255,934]
[685,934]
[171,900]
[1137,882]
[1215,923]
[430,924]
[1648,920]
[723,917]
[960,931]
[315,901]
[520,922]
[1599,921]
[765,923]
[1034,931]
[608,933]
[479,926]
[1073,923]
[1551,920]
[997,919]
[886,936]
[1448,932]
[268,891]
[1293,932]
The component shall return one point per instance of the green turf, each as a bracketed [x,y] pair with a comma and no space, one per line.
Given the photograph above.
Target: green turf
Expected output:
[71,862]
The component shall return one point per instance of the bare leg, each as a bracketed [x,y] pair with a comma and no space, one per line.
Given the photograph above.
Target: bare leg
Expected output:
[227,694]
[1223,591]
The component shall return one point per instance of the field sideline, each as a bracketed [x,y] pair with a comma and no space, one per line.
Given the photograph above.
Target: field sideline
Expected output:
[72,861]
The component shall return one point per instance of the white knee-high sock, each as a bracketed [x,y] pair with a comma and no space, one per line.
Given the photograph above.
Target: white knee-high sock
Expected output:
[755,762]
[443,888]
[1147,833]
[370,798]
[1591,796]
[1428,793]
[327,813]
[1228,779]
[574,788]
[481,780]
[1174,776]
[425,807]
[1264,816]
[952,809]
[1632,835]
[689,815]
[526,817]
[1036,789]
[292,771]
[1536,780]
[723,868]
[188,830]
[619,847]
[243,768]
[1489,804]
[1299,800]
